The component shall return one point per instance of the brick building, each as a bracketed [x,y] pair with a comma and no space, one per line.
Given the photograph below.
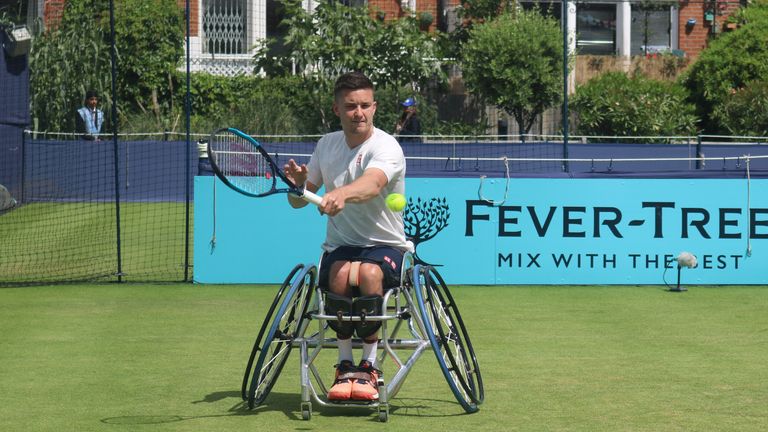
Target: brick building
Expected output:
[223,31]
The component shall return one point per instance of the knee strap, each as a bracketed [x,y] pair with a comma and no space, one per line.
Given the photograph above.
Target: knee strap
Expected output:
[354,274]
[367,306]
[339,306]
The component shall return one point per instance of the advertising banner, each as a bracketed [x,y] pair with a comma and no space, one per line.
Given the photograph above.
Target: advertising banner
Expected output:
[521,231]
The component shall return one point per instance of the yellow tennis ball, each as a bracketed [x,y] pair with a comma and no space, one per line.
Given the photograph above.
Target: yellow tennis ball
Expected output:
[396,202]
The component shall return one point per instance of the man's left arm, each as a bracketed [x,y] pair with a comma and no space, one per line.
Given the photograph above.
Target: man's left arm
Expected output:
[366,187]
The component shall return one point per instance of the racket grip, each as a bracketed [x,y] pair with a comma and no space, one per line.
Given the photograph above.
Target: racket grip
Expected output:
[311,197]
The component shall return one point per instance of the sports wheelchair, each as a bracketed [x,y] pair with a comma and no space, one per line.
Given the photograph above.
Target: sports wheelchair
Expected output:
[418,314]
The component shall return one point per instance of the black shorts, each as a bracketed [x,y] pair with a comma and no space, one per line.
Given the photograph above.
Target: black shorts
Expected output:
[388,258]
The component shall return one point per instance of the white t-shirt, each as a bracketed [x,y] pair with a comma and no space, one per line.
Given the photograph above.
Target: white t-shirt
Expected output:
[334,164]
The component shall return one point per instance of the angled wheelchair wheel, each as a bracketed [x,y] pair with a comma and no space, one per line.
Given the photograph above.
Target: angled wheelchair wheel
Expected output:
[448,336]
[264,325]
[285,320]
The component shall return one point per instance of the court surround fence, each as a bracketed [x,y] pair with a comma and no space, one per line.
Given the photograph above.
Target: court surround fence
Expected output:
[89,211]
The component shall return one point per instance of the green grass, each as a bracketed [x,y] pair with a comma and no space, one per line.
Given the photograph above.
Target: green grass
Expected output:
[78,241]
[170,358]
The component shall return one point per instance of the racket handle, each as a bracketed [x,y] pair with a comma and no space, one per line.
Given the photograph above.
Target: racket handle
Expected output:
[311,197]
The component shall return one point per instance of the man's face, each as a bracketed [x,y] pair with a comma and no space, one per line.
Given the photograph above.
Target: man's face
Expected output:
[92,102]
[355,109]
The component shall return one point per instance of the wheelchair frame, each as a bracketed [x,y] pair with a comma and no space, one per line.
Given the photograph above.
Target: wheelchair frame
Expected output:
[422,307]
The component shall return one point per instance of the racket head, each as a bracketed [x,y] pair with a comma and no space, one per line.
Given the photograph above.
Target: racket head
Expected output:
[241,163]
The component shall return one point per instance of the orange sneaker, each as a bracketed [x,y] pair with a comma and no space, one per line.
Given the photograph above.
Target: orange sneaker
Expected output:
[342,385]
[366,387]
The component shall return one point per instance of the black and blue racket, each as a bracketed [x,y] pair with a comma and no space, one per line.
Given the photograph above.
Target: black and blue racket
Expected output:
[244,165]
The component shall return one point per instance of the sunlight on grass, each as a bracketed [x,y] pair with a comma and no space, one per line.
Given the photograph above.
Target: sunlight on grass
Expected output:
[171,357]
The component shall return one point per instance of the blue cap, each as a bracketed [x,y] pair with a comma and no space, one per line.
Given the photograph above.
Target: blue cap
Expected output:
[409,102]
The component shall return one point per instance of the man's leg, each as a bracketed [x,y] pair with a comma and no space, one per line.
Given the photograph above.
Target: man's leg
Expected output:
[342,387]
[372,269]
[371,280]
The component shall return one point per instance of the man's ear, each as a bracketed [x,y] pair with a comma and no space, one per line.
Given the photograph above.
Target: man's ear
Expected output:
[335,109]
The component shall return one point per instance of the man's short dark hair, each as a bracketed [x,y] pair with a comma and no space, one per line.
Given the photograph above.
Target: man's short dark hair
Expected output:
[91,93]
[351,81]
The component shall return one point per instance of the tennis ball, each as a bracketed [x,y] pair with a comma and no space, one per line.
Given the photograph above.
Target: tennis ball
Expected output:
[396,202]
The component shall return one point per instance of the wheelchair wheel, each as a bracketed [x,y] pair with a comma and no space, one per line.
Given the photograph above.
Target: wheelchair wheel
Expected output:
[267,321]
[286,320]
[448,336]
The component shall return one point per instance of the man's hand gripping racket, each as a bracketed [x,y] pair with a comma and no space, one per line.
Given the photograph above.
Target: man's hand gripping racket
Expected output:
[245,166]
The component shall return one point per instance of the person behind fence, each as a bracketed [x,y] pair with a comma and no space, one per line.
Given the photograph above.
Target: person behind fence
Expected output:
[408,127]
[365,241]
[89,118]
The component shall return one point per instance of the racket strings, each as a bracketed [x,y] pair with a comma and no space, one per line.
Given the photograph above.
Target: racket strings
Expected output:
[243,165]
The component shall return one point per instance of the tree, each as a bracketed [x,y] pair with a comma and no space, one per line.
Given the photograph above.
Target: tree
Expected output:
[67,61]
[728,64]
[471,13]
[150,42]
[75,56]
[335,38]
[515,63]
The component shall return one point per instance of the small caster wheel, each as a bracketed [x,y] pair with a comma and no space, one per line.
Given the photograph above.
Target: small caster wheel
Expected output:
[383,414]
[306,411]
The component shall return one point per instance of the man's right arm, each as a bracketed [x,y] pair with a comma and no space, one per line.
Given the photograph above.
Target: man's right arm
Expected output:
[298,175]
[298,202]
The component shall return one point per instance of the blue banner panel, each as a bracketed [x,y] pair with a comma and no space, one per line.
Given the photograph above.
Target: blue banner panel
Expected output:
[525,231]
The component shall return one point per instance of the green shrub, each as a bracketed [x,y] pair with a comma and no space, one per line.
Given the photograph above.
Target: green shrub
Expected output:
[617,105]
[745,111]
[729,63]
[254,104]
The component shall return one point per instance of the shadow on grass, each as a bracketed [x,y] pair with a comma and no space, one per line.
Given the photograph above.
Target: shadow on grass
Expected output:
[288,404]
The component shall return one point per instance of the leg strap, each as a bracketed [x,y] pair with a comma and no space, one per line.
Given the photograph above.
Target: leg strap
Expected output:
[339,306]
[354,274]
[367,306]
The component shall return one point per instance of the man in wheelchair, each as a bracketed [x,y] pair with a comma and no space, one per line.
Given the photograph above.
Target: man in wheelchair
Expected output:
[359,167]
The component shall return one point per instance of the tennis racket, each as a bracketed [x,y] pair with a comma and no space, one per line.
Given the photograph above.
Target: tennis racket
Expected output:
[244,165]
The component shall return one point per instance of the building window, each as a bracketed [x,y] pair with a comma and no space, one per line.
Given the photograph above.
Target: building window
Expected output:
[596,29]
[224,26]
[651,28]
[354,3]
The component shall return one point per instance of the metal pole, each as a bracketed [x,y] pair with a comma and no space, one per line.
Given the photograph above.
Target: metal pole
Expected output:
[698,152]
[115,152]
[565,83]
[23,166]
[188,172]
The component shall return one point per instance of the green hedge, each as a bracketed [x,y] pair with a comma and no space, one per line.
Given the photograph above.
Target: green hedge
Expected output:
[614,104]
